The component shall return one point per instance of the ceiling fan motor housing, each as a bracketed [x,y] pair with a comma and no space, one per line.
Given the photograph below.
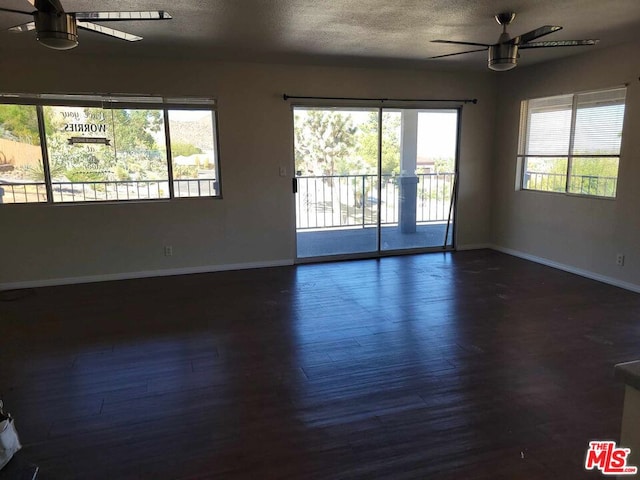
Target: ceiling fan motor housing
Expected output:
[56,30]
[504,54]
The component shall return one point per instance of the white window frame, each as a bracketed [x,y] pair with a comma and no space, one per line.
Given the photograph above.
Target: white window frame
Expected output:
[163,104]
[523,146]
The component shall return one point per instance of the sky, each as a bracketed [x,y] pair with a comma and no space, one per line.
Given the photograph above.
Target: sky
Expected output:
[437,131]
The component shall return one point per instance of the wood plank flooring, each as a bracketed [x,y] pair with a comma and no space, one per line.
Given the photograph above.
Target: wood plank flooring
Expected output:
[472,365]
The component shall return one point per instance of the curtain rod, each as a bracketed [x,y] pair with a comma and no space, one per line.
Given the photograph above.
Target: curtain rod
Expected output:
[286,97]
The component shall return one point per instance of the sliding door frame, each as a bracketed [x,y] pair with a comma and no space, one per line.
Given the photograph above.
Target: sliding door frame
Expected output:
[380,107]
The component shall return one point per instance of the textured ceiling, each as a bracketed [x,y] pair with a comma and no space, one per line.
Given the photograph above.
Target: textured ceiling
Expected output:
[362,32]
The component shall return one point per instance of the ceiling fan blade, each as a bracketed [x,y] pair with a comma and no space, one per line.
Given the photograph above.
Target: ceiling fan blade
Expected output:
[459,53]
[461,43]
[109,31]
[11,10]
[25,27]
[48,6]
[115,16]
[533,34]
[559,43]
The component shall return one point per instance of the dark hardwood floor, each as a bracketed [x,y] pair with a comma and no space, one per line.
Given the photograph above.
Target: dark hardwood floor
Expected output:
[473,365]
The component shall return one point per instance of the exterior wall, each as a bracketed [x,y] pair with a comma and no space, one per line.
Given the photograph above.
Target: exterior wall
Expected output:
[577,233]
[253,225]
[19,154]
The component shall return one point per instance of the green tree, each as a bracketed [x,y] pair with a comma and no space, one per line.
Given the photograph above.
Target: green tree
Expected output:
[324,141]
[368,142]
[136,148]
[444,165]
[595,167]
[594,176]
[134,129]
[184,149]
[591,176]
[19,123]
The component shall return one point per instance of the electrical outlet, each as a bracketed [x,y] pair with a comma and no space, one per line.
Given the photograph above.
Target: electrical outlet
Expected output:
[283,171]
[620,259]
[168,251]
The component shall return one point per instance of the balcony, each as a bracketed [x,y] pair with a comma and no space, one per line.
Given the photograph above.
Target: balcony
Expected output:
[338,214]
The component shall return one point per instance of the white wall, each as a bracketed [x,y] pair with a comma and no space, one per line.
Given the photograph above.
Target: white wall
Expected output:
[254,222]
[578,233]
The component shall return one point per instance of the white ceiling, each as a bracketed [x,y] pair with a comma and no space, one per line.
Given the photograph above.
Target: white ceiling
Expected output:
[362,32]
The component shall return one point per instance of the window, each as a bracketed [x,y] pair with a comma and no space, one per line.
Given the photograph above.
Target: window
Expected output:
[87,149]
[193,152]
[571,143]
[22,177]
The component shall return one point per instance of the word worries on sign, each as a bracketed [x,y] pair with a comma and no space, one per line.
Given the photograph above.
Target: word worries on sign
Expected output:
[85,127]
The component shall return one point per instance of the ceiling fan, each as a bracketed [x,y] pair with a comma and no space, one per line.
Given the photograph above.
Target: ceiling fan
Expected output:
[504,55]
[58,29]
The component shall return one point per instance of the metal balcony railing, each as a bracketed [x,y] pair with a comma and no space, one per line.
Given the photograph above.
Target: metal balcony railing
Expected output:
[335,201]
[22,192]
[578,184]
[105,190]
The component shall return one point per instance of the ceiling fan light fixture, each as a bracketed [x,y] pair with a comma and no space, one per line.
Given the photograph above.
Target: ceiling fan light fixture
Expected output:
[503,57]
[57,30]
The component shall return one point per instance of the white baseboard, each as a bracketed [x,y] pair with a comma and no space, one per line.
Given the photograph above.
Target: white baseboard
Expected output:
[568,268]
[473,246]
[280,263]
[49,282]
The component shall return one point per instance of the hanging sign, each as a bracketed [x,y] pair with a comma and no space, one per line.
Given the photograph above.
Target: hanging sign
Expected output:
[92,140]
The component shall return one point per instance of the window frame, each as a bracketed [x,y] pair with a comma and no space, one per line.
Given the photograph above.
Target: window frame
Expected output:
[569,155]
[120,101]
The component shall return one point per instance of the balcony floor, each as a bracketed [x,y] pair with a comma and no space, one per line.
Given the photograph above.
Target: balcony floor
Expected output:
[341,241]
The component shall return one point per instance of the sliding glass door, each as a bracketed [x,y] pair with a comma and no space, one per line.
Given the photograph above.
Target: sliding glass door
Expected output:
[336,163]
[418,178]
[372,180]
